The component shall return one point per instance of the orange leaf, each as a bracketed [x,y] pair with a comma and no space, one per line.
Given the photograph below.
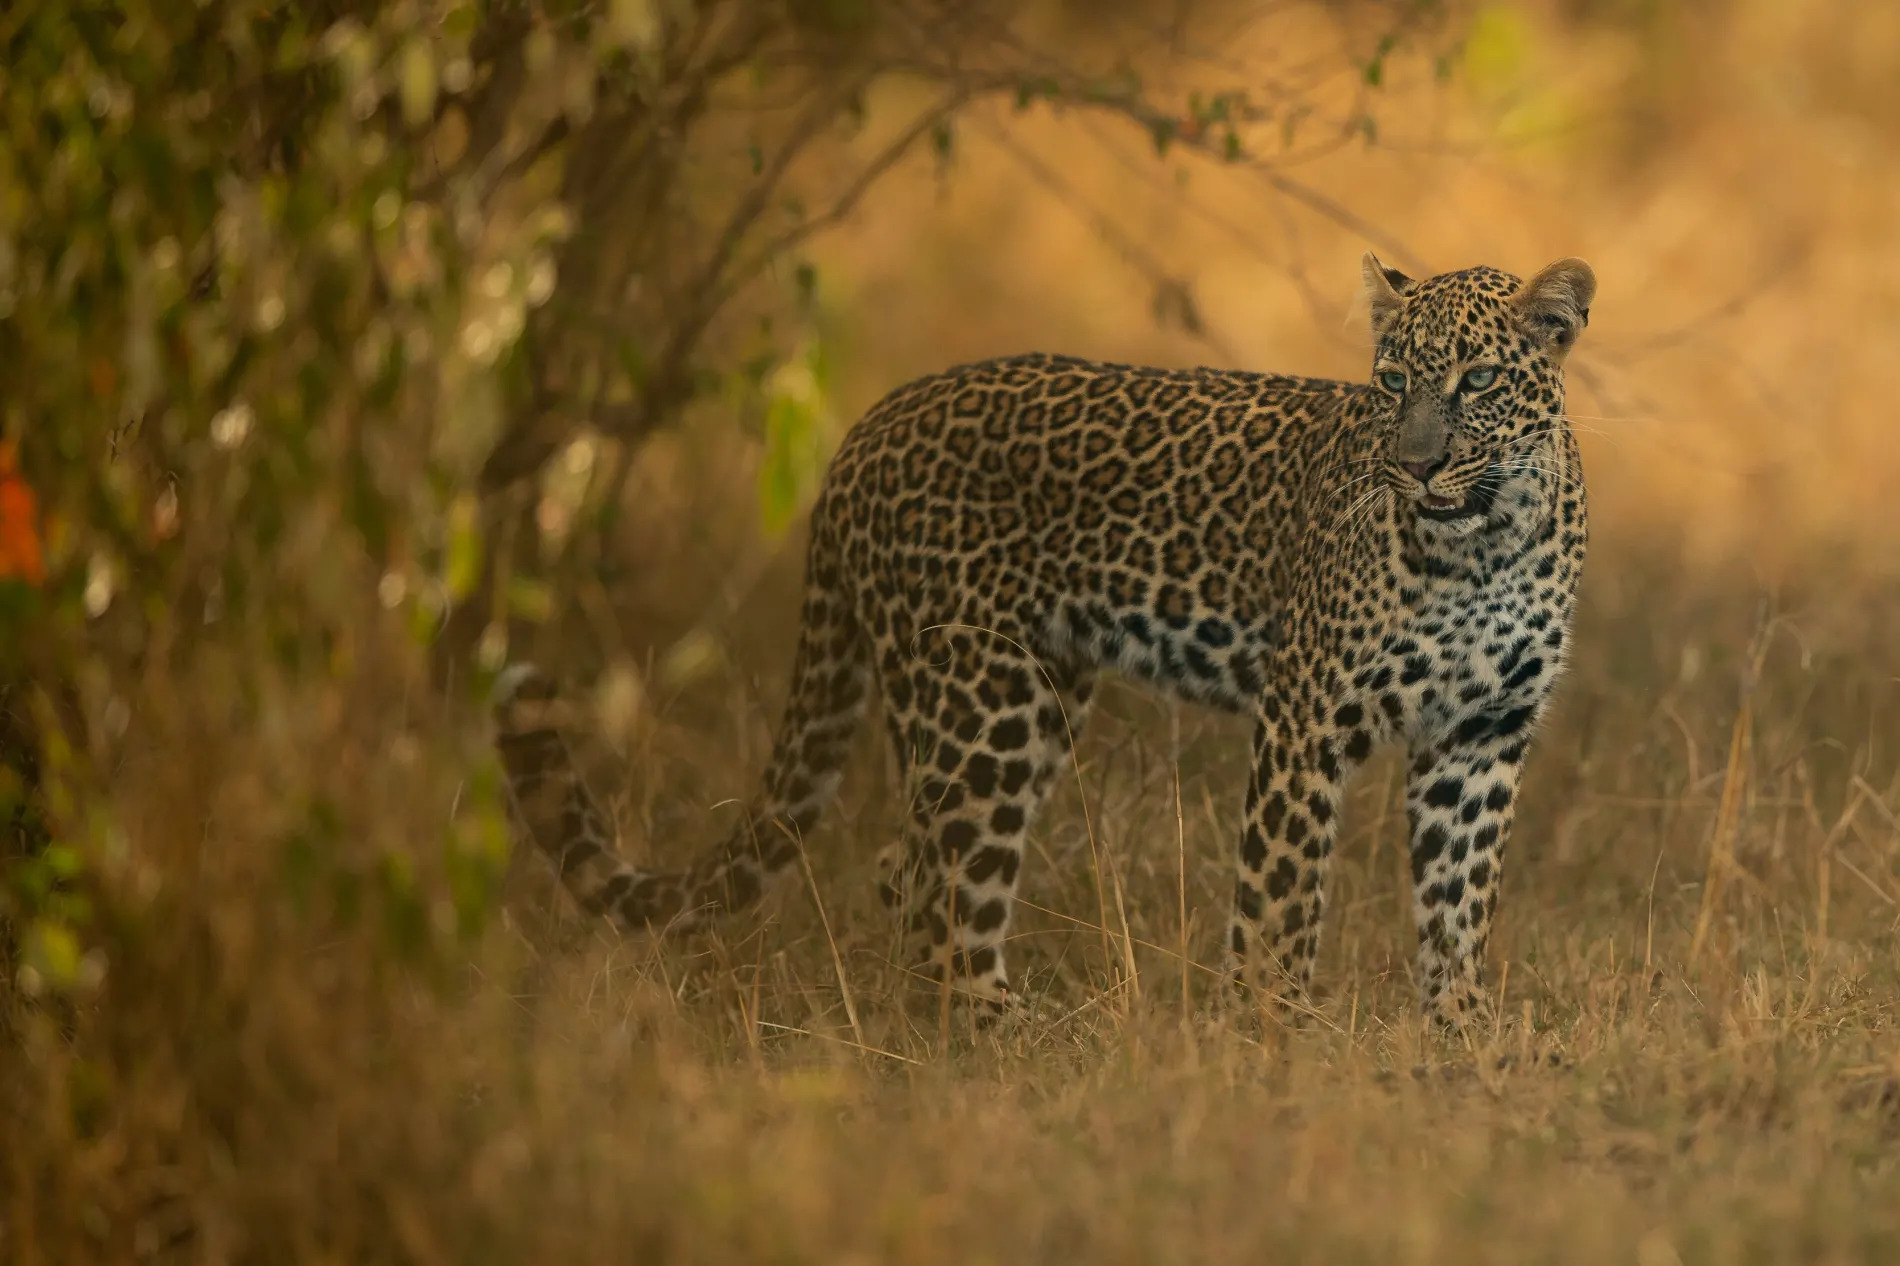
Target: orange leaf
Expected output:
[21,555]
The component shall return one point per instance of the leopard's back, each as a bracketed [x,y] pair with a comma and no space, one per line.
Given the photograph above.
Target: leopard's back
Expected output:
[1122,515]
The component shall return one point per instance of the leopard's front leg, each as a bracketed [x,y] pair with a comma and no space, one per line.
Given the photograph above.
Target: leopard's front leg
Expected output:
[1461,797]
[1293,797]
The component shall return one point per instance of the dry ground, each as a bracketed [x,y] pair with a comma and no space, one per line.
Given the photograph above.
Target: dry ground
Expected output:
[1696,962]
[261,1093]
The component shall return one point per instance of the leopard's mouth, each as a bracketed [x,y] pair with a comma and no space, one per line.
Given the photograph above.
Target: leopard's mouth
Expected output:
[1476,502]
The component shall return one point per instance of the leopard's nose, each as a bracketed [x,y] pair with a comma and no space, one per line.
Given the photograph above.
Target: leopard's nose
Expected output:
[1423,471]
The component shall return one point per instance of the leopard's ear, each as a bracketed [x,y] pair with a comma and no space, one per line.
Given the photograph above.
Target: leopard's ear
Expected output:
[1386,289]
[1554,306]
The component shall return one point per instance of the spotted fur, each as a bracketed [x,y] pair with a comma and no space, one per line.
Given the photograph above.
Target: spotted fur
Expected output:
[1346,563]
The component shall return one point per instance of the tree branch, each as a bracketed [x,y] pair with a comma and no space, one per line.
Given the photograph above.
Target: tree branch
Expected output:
[847,201]
[1171,290]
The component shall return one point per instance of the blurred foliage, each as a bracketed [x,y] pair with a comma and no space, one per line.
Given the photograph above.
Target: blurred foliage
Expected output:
[298,302]
[264,373]
[329,333]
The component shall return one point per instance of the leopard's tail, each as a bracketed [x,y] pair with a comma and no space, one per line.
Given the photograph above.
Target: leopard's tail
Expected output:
[830,686]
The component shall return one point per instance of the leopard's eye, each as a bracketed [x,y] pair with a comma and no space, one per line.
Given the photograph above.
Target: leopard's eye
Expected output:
[1479,377]
[1393,381]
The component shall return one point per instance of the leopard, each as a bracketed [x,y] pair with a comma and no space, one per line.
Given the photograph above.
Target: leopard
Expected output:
[1343,564]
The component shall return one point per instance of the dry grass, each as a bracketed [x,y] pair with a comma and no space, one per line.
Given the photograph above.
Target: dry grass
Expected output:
[1697,955]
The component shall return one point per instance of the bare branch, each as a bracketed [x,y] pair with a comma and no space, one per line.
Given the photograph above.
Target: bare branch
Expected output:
[1730,307]
[1153,120]
[523,448]
[1241,236]
[622,171]
[846,201]
[1171,290]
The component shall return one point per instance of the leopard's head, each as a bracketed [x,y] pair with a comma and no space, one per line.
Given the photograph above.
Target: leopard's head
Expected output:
[1469,370]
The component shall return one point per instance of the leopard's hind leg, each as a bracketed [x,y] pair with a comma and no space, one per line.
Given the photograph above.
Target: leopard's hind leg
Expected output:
[981,729]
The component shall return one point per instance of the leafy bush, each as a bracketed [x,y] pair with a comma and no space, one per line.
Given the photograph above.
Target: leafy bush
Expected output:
[296,304]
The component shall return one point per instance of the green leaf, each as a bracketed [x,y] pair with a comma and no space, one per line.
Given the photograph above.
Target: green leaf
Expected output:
[417,81]
[302,865]
[531,600]
[52,950]
[636,23]
[1375,69]
[1497,48]
[464,547]
[788,423]
[688,659]
[461,22]
[405,917]
[942,140]
[63,861]
[797,416]
[1162,131]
